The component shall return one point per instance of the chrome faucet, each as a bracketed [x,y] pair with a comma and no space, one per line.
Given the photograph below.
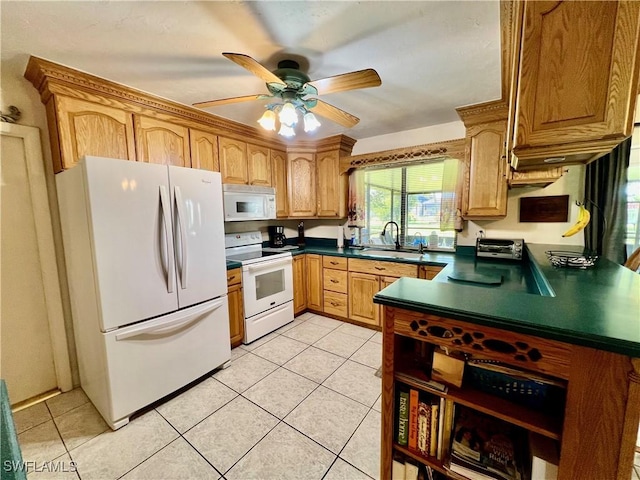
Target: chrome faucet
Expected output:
[384,232]
[420,245]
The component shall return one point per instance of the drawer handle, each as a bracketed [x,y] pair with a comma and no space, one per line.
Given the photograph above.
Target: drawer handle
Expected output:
[379,268]
[333,263]
[229,279]
[335,304]
[333,280]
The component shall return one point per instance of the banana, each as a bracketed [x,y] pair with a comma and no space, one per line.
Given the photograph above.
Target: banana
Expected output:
[584,216]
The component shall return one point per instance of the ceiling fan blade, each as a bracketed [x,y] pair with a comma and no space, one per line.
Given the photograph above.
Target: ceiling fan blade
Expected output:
[226,101]
[245,61]
[335,114]
[347,81]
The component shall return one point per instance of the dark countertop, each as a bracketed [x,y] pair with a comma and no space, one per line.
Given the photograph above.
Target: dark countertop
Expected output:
[598,307]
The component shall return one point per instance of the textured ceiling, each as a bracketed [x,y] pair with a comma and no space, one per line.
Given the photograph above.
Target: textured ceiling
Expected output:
[432,56]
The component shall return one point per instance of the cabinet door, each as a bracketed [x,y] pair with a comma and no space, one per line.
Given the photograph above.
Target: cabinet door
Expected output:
[279,182]
[302,185]
[577,77]
[362,288]
[486,192]
[204,150]
[233,161]
[86,128]
[314,282]
[428,272]
[299,284]
[332,187]
[161,142]
[259,165]
[236,315]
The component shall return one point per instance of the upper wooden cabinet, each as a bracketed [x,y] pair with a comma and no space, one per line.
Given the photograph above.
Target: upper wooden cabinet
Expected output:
[204,150]
[574,81]
[332,187]
[484,193]
[279,182]
[161,142]
[86,128]
[233,161]
[301,168]
[259,165]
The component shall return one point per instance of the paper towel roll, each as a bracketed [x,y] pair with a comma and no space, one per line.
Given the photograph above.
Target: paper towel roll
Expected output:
[340,236]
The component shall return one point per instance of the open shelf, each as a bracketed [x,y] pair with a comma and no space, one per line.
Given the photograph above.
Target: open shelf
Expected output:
[540,422]
[432,462]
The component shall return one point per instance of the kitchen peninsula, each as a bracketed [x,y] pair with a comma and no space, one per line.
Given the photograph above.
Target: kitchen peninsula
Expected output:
[587,332]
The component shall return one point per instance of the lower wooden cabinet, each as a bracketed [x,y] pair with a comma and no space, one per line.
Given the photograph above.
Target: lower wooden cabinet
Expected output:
[236,312]
[362,288]
[299,284]
[428,271]
[314,282]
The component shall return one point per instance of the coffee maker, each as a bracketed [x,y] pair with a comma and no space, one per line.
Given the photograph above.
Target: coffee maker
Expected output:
[276,236]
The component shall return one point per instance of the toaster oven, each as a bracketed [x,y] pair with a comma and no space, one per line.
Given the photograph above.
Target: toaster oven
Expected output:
[508,249]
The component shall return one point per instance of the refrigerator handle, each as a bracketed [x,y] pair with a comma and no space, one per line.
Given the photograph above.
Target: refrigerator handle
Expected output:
[183,236]
[172,325]
[166,221]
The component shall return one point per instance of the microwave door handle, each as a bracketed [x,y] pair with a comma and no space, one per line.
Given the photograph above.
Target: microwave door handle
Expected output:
[183,236]
[166,221]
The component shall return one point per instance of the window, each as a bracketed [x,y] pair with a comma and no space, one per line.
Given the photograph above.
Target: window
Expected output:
[410,195]
[632,239]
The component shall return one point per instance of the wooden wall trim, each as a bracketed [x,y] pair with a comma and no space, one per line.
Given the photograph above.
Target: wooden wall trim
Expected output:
[450,148]
[486,112]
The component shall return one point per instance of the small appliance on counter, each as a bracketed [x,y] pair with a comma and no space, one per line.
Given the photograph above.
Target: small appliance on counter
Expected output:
[277,239]
[301,234]
[507,249]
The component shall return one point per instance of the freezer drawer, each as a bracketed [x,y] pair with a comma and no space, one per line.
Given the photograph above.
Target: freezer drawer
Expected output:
[147,361]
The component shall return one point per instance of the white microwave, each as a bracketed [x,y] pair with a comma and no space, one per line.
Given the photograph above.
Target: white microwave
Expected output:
[248,202]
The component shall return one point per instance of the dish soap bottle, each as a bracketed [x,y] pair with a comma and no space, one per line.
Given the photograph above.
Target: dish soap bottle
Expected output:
[301,234]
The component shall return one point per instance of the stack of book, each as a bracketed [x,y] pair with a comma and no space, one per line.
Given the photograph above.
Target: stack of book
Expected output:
[422,422]
[486,448]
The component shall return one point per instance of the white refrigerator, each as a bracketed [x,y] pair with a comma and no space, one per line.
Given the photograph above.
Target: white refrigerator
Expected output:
[144,251]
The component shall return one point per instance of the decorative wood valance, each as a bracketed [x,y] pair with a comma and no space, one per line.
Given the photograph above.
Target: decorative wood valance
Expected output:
[450,149]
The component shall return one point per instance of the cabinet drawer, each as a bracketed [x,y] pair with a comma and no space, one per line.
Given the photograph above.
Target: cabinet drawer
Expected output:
[335,303]
[383,268]
[234,276]
[337,263]
[335,280]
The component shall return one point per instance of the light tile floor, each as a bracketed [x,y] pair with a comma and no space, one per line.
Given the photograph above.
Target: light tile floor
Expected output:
[302,402]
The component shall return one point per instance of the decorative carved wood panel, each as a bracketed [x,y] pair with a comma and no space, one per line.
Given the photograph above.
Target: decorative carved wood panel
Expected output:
[533,353]
[162,142]
[204,150]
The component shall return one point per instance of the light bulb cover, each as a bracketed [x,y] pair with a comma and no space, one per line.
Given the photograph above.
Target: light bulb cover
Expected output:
[310,122]
[286,131]
[288,115]
[268,120]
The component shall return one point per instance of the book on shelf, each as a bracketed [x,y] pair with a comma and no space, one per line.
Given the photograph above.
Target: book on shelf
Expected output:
[410,470]
[422,381]
[424,427]
[488,447]
[397,467]
[403,418]
[413,419]
[544,457]
[433,444]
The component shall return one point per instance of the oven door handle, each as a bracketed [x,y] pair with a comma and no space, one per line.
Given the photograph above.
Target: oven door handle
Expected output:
[269,264]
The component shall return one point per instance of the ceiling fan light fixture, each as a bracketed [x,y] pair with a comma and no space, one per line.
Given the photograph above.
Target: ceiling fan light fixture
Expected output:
[311,123]
[288,115]
[268,120]
[286,131]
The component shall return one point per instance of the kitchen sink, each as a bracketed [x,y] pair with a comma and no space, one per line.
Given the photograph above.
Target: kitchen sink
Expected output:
[373,252]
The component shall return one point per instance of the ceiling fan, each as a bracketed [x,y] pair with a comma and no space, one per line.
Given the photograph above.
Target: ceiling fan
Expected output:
[293,91]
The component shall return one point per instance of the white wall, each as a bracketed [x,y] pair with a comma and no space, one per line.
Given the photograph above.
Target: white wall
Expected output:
[571,183]
[410,138]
